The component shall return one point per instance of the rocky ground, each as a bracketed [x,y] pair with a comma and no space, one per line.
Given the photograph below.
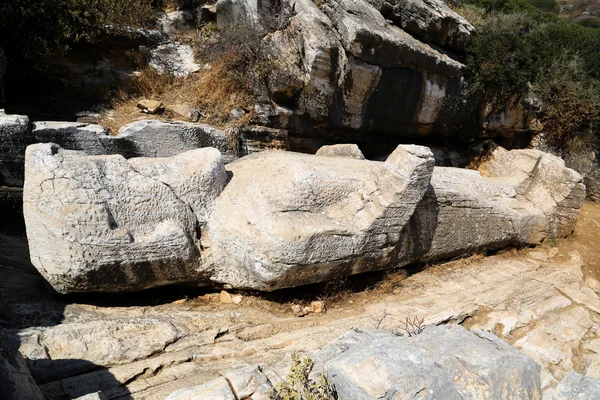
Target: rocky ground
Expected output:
[542,300]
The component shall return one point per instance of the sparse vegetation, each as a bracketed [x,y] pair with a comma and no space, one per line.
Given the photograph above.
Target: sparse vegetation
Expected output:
[521,49]
[299,386]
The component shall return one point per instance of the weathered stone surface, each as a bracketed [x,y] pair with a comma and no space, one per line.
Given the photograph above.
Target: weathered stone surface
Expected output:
[361,71]
[249,383]
[94,223]
[71,135]
[443,362]
[152,138]
[173,59]
[311,218]
[542,180]
[577,387]
[177,21]
[196,177]
[189,113]
[341,150]
[15,380]
[217,389]
[15,136]
[431,20]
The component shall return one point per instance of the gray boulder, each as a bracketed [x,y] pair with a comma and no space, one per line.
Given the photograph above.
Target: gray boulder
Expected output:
[177,22]
[341,150]
[577,387]
[96,223]
[15,380]
[152,138]
[443,362]
[15,136]
[311,218]
[173,59]
[431,20]
[71,135]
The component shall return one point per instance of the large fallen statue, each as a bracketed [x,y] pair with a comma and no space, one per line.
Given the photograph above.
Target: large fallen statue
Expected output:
[279,219]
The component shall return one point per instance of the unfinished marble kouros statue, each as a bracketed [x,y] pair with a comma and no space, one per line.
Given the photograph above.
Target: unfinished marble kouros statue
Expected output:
[278,219]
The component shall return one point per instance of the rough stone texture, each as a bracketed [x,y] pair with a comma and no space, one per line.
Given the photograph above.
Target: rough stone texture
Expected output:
[95,223]
[15,136]
[542,180]
[196,177]
[71,135]
[577,387]
[311,218]
[15,380]
[173,59]
[362,71]
[508,294]
[152,138]
[443,362]
[430,20]
[217,389]
[249,383]
[177,22]
[341,150]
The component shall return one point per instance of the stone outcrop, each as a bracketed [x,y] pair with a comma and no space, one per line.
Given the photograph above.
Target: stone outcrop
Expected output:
[174,59]
[248,383]
[102,223]
[577,387]
[368,65]
[341,150]
[15,380]
[443,362]
[72,135]
[279,219]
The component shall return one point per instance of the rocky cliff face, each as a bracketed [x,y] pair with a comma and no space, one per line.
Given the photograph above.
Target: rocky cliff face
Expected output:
[373,66]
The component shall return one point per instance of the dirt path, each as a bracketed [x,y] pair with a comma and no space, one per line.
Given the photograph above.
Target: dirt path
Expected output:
[540,300]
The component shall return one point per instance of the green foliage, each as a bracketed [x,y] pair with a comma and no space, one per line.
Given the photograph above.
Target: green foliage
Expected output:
[519,48]
[298,386]
[590,23]
[34,28]
[571,101]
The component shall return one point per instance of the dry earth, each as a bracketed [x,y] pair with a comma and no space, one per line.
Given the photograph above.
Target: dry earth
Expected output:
[543,301]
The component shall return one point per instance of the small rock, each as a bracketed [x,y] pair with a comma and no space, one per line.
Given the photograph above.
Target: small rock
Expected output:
[225,297]
[594,284]
[237,113]
[181,301]
[237,298]
[318,306]
[189,113]
[539,255]
[150,106]
[553,252]
[249,382]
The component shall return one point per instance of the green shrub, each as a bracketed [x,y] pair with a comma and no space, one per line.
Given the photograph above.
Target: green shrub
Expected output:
[571,102]
[298,386]
[30,29]
[590,23]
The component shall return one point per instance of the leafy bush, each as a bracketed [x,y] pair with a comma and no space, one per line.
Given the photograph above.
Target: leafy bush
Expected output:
[571,102]
[30,29]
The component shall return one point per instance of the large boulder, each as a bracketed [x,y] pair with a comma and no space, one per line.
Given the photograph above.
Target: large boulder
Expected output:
[153,138]
[173,59]
[71,135]
[311,218]
[15,380]
[96,223]
[442,362]
[279,219]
